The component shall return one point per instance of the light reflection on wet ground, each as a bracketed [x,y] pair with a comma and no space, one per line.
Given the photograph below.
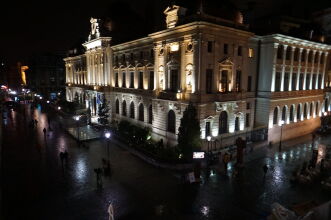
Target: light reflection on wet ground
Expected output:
[33,175]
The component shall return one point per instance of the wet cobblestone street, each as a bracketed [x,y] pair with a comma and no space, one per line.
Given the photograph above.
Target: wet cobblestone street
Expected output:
[37,186]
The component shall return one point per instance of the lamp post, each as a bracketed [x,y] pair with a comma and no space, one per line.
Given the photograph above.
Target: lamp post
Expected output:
[77,120]
[281,131]
[107,136]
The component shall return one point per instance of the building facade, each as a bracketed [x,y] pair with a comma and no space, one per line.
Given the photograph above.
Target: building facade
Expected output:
[227,72]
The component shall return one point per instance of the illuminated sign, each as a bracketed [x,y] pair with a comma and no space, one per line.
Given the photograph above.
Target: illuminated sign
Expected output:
[198,155]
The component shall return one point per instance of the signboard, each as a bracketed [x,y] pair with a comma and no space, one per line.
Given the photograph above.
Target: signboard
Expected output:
[198,155]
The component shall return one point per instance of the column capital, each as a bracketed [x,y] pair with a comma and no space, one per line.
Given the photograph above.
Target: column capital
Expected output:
[276,45]
[301,49]
[293,48]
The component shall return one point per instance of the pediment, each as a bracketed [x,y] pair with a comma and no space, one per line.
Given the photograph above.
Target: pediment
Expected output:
[226,61]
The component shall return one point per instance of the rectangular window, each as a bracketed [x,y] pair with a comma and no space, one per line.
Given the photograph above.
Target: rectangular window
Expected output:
[286,81]
[248,105]
[238,80]
[249,84]
[225,49]
[301,82]
[277,82]
[250,52]
[207,128]
[224,81]
[307,81]
[210,47]
[174,80]
[247,120]
[239,50]
[131,79]
[141,80]
[116,79]
[151,80]
[209,79]
[294,81]
[314,81]
[124,80]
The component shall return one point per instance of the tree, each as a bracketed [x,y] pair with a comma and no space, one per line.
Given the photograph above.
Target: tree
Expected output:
[103,112]
[189,132]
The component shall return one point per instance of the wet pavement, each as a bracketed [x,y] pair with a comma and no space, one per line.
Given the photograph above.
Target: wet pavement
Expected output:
[37,186]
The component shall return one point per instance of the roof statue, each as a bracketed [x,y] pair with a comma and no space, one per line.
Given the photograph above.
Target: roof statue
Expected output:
[95,33]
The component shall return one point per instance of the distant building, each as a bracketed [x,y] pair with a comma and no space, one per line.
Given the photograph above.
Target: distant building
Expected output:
[46,74]
[235,78]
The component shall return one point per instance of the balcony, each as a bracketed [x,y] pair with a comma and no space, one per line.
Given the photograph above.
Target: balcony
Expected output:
[142,92]
[294,94]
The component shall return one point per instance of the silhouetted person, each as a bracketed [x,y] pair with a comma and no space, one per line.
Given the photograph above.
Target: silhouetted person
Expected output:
[99,177]
[44,130]
[65,156]
[265,170]
[62,158]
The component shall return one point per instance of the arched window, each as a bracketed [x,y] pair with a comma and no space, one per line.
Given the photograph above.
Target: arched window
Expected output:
[292,113]
[223,123]
[299,112]
[124,108]
[141,112]
[171,121]
[305,111]
[275,120]
[132,110]
[236,124]
[311,110]
[316,109]
[117,106]
[284,114]
[150,114]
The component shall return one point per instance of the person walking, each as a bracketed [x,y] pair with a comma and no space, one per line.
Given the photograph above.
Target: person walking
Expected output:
[226,159]
[62,158]
[265,170]
[44,130]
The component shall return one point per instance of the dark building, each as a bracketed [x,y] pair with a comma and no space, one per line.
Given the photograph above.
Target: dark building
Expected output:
[46,74]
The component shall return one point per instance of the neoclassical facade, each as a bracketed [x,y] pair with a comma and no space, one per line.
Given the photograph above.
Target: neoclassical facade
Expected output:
[292,81]
[240,83]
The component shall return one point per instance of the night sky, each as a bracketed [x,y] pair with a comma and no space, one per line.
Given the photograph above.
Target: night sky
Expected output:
[30,28]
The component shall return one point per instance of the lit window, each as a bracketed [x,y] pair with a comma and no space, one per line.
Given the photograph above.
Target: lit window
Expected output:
[250,52]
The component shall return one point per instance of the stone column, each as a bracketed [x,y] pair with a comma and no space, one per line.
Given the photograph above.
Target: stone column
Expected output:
[291,70]
[283,68]
[273,77]
[318,69]
[196,64]
[299,69]
[324,66]
[311,86]
[306,66]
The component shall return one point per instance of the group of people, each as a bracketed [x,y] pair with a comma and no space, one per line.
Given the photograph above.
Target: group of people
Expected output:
[105,170]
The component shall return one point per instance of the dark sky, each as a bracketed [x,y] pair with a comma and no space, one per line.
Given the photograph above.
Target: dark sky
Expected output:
[29,28]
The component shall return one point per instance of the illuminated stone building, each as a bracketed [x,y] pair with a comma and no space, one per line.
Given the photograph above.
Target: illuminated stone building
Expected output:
[210,61]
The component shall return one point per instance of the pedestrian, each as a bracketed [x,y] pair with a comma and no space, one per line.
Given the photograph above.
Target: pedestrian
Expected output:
[111,212]
[265,170]
[226,159]
[65,156]
[61,157]
[322,166]
[44,130]
[98,175]
[36,122]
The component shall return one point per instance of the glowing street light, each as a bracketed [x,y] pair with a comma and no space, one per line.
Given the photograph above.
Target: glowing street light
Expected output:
[208,139]
[47,101]
[107,136]
[59,108]
[77,120]
[325,113]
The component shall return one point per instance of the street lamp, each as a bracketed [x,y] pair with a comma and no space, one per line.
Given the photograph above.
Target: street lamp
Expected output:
[107,136]
[59,108]
[281,131]
[325,113]
[77,120]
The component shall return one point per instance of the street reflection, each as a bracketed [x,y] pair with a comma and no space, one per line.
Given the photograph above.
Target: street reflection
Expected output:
[80,169]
